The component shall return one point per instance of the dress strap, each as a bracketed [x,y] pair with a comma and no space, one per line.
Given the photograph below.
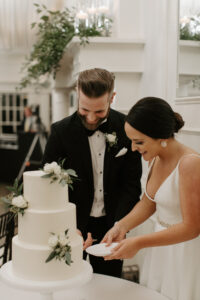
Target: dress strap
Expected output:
[149,170]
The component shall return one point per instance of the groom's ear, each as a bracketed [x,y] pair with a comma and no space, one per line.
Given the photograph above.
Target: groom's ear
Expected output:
[112,97]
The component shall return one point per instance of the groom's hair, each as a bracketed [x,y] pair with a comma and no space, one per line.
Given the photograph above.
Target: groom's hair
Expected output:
[96,82]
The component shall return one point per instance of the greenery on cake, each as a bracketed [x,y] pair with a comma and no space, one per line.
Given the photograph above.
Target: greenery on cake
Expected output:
[15,200]
[56,172]
[61,250]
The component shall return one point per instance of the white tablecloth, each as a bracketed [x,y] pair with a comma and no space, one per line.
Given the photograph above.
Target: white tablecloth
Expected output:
[101,287]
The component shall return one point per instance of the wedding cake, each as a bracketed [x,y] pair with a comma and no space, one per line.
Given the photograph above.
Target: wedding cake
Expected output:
[49,214]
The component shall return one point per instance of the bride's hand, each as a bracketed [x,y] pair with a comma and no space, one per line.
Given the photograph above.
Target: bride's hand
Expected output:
[115,234]
[127,248]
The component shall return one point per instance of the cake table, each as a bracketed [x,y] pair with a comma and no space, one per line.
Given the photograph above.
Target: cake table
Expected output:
[45,288]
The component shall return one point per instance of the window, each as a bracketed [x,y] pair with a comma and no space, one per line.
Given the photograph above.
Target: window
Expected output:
[12,111]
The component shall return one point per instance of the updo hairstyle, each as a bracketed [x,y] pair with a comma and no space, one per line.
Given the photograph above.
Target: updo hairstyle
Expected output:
[155,118]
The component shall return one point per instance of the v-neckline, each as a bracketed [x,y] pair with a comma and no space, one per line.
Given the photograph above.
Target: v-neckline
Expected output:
[150,169]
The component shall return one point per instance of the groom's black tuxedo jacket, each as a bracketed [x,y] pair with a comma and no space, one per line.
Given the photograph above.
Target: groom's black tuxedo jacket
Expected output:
[68,139]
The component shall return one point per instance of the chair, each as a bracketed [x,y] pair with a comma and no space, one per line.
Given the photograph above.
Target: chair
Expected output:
[7,228]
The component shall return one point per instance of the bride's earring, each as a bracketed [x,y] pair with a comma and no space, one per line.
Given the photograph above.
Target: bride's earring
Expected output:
[163,144]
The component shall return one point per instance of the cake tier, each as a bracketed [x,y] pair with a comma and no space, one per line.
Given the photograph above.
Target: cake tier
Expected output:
[35,226]
[42,194]
[29,261]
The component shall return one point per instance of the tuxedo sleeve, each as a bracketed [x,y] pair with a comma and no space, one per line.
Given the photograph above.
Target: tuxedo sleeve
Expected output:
[129,189]
[54,150]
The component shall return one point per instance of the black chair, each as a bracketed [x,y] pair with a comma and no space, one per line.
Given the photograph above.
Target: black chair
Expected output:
[7,229]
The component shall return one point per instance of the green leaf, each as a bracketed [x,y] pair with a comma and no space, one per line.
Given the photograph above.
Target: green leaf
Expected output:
[11,189]
[71,172]
[33,25]
[44,18]
[20,188]
[63,182]
[16,183]
[68,258]
[66,231]
[6,200]
[51,256]
[48,175]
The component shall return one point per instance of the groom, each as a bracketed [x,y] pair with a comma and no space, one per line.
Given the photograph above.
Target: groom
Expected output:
[94,143]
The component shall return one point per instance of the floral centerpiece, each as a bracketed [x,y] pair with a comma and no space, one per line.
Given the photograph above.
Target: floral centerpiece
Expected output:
[56,172]
[15,200]
[61,250]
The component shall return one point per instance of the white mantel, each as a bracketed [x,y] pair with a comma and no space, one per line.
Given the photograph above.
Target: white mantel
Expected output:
[122,56]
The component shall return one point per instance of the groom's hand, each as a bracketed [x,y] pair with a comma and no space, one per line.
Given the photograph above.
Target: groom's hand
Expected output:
[88,242]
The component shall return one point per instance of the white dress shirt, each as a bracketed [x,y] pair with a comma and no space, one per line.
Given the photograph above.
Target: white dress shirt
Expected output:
[97,144]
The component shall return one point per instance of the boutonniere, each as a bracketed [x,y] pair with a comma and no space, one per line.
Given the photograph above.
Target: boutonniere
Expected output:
[111,139]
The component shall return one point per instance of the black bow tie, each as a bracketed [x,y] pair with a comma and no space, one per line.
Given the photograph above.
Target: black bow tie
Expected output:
[102,127]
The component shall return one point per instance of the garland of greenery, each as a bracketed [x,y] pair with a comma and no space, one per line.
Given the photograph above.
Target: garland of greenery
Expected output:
[55,30]
[188,28]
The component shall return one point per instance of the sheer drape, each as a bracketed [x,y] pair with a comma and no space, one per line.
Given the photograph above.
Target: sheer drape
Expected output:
[16,17]
[189,7]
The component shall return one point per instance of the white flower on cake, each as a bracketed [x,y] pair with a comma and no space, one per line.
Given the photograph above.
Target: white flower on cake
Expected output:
[52,168]
[56,172]
[63,240]
[19,201]
[111,139]
[61,250]
[53,240]
[15,201]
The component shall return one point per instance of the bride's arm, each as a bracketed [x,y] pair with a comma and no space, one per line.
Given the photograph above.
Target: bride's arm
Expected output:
[189,228]
[141,212]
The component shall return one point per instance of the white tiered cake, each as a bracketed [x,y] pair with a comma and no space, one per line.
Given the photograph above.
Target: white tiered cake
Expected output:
[48,211]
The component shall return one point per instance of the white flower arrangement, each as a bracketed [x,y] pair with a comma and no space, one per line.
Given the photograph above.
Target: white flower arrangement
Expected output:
[56,172]
[111,139]
[61,250]
[15,201]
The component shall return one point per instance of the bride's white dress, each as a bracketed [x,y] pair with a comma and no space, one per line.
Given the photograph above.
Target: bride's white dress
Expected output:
[172,270]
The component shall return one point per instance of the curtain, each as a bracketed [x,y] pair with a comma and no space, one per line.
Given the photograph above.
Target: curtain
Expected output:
[16,17]
[189,7]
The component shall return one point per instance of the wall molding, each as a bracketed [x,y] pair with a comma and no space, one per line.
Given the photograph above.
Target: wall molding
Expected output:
[190,130]
[188,100]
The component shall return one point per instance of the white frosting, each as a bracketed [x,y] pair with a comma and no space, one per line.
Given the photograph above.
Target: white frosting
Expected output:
[35,226]
[41,194]
[48,211]
[29,261]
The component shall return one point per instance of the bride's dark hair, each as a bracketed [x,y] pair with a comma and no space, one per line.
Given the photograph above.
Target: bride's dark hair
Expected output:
[154,117]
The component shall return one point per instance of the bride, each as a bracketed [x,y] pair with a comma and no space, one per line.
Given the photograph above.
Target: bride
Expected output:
[172,190]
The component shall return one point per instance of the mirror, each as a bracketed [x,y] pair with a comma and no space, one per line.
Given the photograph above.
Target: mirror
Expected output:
[189,49]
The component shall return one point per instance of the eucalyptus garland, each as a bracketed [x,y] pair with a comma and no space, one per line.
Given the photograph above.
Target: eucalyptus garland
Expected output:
[55,30]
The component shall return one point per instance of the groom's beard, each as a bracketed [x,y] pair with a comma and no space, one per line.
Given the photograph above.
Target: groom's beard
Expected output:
[92,126]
